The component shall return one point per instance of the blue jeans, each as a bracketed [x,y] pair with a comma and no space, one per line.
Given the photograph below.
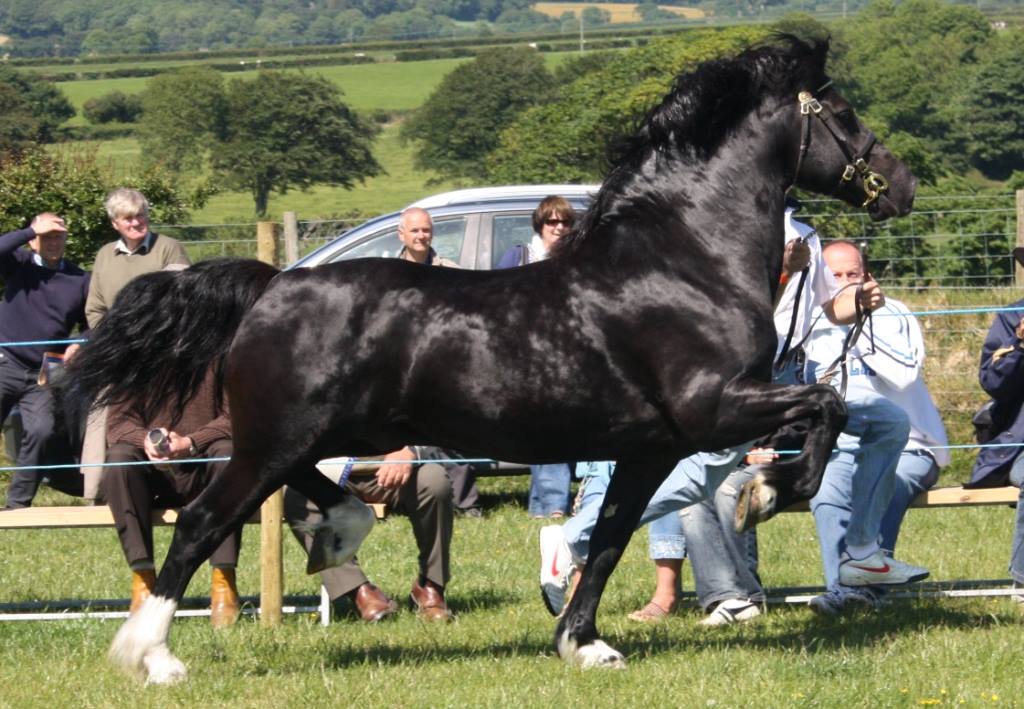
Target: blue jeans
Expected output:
[1017,553]
[859,480]
[692,480]
[724,562]
[550,489]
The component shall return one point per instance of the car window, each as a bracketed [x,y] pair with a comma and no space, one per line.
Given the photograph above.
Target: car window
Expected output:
[507,231]
[448,237]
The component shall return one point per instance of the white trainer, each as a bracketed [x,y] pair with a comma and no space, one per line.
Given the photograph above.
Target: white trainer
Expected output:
[878,570]
[734,610]
[556,567]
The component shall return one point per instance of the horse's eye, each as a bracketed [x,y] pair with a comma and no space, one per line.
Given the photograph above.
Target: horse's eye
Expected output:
[849,120]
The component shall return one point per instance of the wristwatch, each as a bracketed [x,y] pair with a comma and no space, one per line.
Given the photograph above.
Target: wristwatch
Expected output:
[192,450]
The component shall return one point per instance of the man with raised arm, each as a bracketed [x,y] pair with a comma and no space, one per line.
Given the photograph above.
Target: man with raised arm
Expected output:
[44,299]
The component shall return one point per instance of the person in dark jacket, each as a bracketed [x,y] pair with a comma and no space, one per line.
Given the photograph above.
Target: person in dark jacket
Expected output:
[1001,375]
[44,299]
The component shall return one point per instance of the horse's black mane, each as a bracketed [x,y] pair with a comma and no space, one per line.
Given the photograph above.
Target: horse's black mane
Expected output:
[703,108]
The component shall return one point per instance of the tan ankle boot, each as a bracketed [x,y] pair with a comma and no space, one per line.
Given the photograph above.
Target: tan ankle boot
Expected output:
[142,585]
[224,603]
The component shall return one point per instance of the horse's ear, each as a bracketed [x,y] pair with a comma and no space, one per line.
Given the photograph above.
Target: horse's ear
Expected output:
[819,51]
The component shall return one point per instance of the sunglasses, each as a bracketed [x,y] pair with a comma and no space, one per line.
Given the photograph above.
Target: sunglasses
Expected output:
[556,222]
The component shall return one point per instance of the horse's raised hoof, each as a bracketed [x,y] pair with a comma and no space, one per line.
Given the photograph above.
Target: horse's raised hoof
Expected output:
[756,503]
[338,537]
[596,654]
[140,646]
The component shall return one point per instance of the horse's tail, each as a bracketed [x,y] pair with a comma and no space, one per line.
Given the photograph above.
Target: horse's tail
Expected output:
[154,347]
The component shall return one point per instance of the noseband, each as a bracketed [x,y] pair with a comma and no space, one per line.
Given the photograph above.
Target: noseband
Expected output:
[874,184]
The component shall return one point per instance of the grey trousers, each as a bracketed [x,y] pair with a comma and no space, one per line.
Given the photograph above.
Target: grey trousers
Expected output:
[425,500]
[18,387]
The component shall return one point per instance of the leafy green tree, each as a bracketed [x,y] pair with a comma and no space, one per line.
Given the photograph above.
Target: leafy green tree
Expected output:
[183,112]
[31,109]
[565,139]
[459,123]
[990,112]
[115,107]
[74,185]
[908,84]
[290,130]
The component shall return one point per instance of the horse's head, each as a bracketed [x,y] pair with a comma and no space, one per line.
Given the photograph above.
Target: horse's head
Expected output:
[840,156]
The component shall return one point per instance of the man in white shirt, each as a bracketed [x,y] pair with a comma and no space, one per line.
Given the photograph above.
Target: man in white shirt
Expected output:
[886,455]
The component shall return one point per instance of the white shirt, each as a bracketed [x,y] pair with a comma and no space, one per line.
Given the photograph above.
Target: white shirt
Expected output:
[893,370]
[819,287]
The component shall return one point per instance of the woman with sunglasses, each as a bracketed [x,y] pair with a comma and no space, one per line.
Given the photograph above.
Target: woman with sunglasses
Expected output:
[552,219]
[550,494]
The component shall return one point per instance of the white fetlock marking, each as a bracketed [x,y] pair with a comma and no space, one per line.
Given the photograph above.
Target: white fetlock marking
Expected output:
[352,521]
[596,654]
[144,631]
[162,667]
[765,494]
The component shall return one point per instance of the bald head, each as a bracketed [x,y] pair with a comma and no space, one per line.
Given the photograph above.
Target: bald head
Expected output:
[845,262]
[416,231]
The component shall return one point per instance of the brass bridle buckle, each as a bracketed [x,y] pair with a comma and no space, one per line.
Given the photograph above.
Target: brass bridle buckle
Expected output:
[808,103]
[874,183]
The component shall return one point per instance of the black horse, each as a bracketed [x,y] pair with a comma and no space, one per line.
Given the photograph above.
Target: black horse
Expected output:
[647,337]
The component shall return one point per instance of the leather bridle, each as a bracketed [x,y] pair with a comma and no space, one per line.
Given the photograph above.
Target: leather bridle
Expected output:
[874,184]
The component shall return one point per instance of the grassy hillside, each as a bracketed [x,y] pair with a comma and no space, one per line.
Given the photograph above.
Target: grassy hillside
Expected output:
[621,12]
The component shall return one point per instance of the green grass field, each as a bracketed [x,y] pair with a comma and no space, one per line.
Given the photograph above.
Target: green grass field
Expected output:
[397,87]
[499,651]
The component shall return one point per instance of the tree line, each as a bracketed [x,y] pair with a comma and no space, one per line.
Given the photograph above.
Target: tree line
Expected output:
[75,27]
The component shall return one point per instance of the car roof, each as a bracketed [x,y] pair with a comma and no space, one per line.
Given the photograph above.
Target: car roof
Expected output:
[479,195]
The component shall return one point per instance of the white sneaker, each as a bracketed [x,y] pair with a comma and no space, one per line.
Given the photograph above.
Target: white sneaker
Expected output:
[734,610]
[878,570]
[556,567]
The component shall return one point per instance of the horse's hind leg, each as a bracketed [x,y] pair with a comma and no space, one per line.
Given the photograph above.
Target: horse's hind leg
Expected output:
[631,488]
[227,502]
[756,409]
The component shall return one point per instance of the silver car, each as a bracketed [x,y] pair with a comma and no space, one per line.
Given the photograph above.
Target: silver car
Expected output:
[473,227]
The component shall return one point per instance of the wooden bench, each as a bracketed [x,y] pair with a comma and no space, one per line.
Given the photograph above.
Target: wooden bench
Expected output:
[950,497]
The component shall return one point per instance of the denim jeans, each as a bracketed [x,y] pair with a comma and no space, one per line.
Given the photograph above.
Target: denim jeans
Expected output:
[550,489]
[692,480]
[724,563]
[859,479]
[1017,553]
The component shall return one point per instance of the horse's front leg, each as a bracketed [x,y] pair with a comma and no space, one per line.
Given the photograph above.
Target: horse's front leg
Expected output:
[631,488]
[756,409]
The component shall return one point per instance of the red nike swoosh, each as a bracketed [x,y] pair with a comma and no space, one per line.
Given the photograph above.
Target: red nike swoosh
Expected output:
[554,565]
[873,570]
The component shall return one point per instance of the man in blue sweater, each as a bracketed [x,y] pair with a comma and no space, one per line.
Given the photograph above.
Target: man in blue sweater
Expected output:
[44,299]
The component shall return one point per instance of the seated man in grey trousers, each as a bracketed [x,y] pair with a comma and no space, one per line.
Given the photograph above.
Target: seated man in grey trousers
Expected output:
[420,491]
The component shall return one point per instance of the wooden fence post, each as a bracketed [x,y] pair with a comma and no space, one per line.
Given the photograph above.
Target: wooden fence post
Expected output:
[1020,236]
[271,567]
[291,238]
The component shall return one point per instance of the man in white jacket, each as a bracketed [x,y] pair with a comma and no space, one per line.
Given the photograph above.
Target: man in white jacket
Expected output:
[887,453]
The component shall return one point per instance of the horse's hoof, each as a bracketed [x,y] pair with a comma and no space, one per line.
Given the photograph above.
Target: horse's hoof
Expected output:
[339,536]
[162,667]
[143,632]
[594,654]
[755,504]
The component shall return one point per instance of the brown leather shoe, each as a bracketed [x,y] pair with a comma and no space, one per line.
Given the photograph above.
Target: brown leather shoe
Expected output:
[142,585]
[372,603]
[224,603]
[428,600]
